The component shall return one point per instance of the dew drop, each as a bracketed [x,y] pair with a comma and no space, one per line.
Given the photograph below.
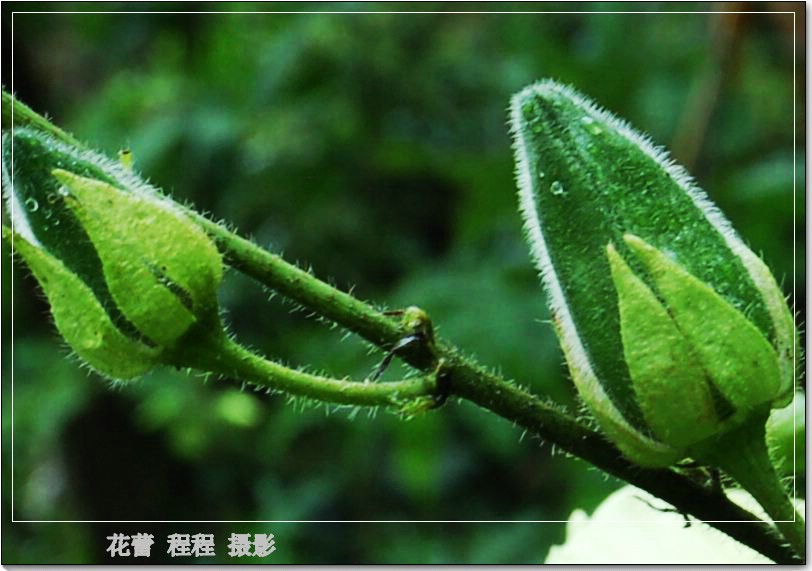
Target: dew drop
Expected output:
[541,175]
[31,204]
[557,188]
[63,191]
[591,125]
[52,197]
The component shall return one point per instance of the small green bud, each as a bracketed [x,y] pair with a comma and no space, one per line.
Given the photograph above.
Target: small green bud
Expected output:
[675,336]
[136,255]
[80,318]
[417,322]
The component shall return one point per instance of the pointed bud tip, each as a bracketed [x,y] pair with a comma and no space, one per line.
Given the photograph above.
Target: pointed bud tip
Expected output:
[636,243]
[61,173]
[76,183]
[612,254]
[617,265]
[65,177]
[69,183]
[650,256]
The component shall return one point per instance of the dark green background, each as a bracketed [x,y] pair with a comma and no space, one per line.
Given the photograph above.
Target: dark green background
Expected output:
[373,148]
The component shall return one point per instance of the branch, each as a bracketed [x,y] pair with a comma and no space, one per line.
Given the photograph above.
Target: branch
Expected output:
[223,356]
[463,378]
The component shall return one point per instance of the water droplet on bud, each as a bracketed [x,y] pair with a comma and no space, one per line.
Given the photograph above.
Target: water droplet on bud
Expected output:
[591,125]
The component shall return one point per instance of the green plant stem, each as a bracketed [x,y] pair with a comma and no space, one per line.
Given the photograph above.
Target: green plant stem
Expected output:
[742,453]
[222,355]
[466,379]
[24,116]
[297,284]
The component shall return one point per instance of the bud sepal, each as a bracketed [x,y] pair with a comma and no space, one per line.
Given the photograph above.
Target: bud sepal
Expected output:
[81,319]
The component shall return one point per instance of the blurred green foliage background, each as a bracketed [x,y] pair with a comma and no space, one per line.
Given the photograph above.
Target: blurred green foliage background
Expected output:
[374,148]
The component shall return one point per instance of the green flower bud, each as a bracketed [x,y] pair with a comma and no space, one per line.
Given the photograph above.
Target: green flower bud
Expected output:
[680,332]
[140,260]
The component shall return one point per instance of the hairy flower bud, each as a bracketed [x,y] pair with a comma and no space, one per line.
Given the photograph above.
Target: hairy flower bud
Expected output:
[92,230]
[679,331]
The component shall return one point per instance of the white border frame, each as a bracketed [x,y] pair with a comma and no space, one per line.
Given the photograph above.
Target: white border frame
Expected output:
[794,269]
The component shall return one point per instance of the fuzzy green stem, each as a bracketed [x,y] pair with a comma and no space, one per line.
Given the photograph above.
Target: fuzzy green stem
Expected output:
[277,274]
[464,378]
[224,356]
[20,115]
[742,453]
